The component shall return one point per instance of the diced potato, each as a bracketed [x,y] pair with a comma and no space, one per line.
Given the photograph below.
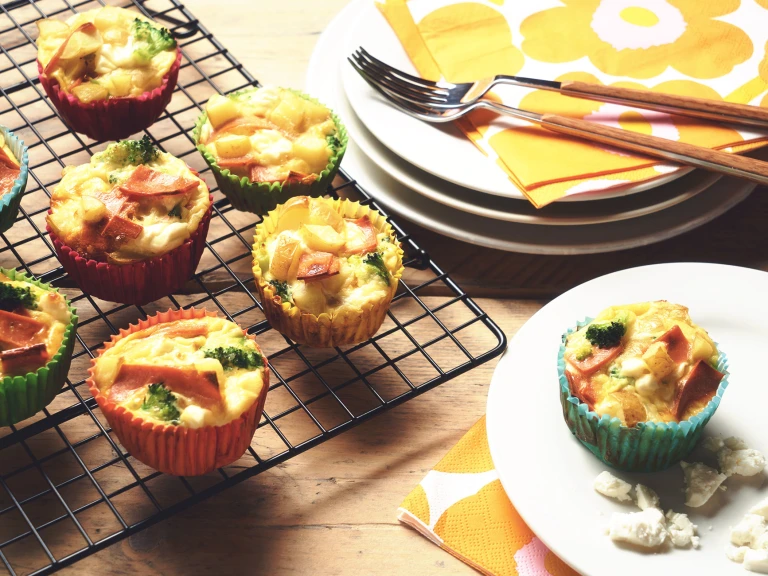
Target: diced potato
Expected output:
[221,110]
[106,18]
[322,238]
[321,213]
[141,78]
[285,259]
[315,113]
[92,209]
[81,44]
[314,151]
[309,297]
[658,360]
[115,36]
[51,27]
[633,408]
[233,145]
[293,214]
[289,114]
[90,92]
[701,349]
[120,84]
[335,283]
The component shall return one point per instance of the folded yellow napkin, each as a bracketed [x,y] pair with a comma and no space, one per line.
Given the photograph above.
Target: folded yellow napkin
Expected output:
[461,506]
[707,48]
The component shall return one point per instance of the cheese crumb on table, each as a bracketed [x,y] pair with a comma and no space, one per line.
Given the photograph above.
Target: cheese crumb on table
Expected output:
[682,532]
[747,532]
[734,456]
[736,553]
[761,509]
[756,561]
[608,485]
[701,482]
[646,528]
[646,497]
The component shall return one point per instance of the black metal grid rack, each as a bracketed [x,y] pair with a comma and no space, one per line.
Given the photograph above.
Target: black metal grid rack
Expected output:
[67,488]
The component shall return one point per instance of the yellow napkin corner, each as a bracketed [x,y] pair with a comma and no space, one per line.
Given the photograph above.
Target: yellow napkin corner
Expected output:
[461,506]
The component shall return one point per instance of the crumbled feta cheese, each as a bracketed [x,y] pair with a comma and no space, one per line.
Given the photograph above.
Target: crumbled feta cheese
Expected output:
[646,528]
[646,385]
[735,443]
[762,542]
[747,532]
[713,443]
[761,509]
[646,497]
[701,482]
[756,561]
[743,461]
[634,368]
[736,553]
[608,485]
[682,532]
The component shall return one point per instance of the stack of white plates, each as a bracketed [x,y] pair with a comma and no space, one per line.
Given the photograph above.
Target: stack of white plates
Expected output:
[433,175]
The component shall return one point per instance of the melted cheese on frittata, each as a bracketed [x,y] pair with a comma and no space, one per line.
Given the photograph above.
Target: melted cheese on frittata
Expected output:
[355,285]
[270,128]
[239,387]
[641,375]
[51,310]
[6,149]
[71,214]
[108,64]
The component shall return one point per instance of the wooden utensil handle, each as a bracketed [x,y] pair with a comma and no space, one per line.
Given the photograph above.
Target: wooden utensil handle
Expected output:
[685,105]
[713,160]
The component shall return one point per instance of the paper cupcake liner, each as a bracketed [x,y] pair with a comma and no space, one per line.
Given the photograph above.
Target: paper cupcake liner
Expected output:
[9,203]
[351,326]
[114,118]
[261,197]
[138,282]
[22,397]
[179,450]
[646,447]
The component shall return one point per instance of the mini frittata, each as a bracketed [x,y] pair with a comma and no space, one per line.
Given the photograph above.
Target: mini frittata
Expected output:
[191,372]
[32,326]
[645,362]
[269,134]
[9,167]
[105,53]
[130,203]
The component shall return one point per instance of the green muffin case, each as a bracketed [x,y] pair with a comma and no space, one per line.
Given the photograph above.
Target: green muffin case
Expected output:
[647,446]
[22,397]
[261,197]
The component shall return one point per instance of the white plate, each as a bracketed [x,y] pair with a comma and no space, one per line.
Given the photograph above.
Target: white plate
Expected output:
[441,150]
[534,239]
[548,474]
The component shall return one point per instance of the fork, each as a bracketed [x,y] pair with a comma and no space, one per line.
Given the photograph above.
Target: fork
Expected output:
[680,152]
[445,94]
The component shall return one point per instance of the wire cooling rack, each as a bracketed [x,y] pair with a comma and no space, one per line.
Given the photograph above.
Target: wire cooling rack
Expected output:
[67,487]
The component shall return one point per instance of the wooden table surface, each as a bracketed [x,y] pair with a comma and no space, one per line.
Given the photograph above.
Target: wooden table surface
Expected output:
[332,510]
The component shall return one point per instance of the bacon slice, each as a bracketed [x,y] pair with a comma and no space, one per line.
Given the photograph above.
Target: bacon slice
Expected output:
[87,28]
[245,125]
[678,347]
[18,331]
[148,182]
[202,387]
[8,176]
[365,240]
[24,359]
[582,388]
[700,384]
[599,358]
[118,226]
[312,265]
[333,269]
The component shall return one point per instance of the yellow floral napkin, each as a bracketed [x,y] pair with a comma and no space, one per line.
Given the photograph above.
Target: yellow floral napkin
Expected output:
[461,506]
[706,48]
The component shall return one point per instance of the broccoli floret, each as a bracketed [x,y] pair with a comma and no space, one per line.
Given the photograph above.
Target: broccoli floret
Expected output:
[132,152]
[13,297]
[376,261]
[606,334]
[175,212]
[161,403]
[112,179]
[282,289]
[234,357]
[584,351]
[155,40]
[333,142]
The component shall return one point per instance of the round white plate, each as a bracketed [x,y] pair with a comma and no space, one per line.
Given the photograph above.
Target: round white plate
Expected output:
[534,239]
[548,474]
[441,150]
